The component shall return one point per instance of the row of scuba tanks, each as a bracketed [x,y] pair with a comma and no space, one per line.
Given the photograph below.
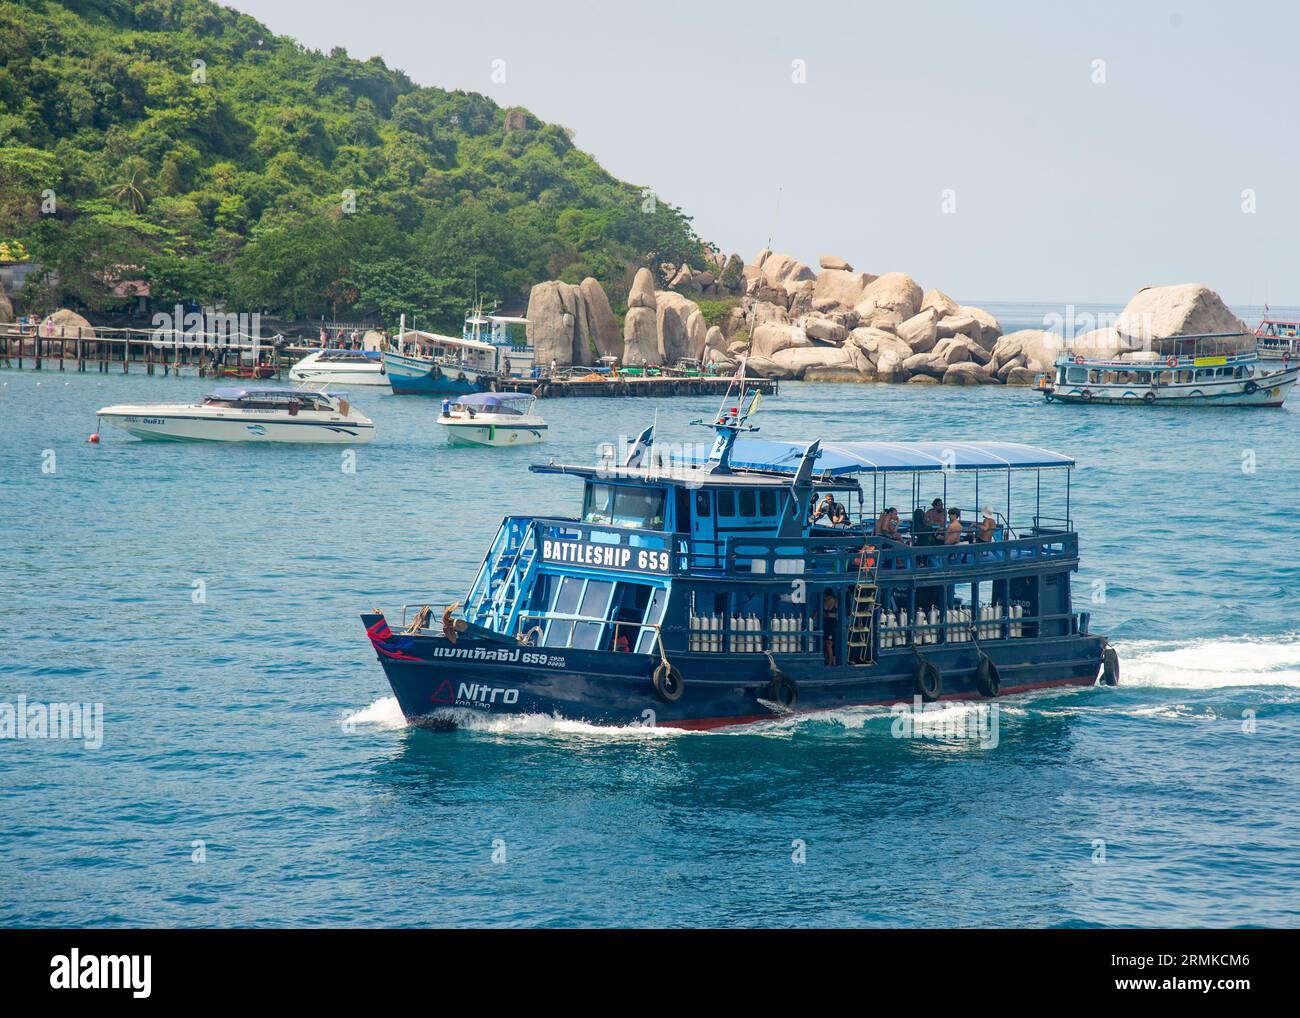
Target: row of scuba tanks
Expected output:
[709,634]
[955,624]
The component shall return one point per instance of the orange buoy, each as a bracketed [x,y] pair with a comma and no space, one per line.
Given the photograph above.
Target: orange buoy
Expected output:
[94,439]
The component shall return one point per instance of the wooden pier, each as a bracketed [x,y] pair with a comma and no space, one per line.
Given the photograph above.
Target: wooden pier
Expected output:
[68,348]
[637,385]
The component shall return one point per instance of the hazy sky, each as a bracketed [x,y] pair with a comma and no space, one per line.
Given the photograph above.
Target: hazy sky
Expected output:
[1065,189]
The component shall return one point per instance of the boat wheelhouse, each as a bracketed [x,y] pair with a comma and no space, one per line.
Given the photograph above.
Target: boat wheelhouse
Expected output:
[1278,340]
[708,590]
[1204,370]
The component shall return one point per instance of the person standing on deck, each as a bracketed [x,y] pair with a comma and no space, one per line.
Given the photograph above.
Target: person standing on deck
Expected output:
[830,625]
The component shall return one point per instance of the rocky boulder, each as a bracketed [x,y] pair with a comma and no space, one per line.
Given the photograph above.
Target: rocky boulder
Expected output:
[894,291]
[990,327]
[834,262]
[642,294]
[783,272]
[1157,313]
[968,374]
[770,338]
[797,360]
[600,319]
[765,367]
[1021,376]
[875,343]
[955,349]
[890,368]
[952,325]
[920,332]
[640,337]
[678,336]
[842,286]
[1032,348]
[825,330]
[925,364]
[940,302]
[65,324]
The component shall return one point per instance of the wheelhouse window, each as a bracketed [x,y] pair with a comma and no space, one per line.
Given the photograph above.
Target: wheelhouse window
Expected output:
[1076,375]
[623,506]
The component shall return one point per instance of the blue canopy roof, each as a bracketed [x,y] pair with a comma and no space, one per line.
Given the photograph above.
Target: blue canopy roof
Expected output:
[885,457]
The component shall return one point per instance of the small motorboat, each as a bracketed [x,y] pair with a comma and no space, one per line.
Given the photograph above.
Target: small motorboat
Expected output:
[340,367]
[492,418]
[247,415]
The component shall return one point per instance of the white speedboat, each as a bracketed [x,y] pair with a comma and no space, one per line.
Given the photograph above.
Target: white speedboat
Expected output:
[247,415]
[340,367]
[493,419]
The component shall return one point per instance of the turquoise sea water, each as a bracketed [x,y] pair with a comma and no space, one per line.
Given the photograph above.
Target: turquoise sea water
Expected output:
[257,722]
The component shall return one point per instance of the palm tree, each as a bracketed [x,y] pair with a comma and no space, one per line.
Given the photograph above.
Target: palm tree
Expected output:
[128,192]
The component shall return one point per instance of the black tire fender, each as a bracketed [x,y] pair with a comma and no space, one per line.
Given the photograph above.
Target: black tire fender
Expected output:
[987,679]
[668,683]
[1149,397]
[928,680]
[1252,387]
[1109,667]
[1086,395]
[784,691]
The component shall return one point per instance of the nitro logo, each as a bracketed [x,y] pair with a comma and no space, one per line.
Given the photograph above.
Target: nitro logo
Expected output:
[102,972]
[475,693]
[605,556]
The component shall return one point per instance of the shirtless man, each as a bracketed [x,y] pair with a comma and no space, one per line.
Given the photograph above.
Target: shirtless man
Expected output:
[953,533]
[935,514]
[988,526]
[887,525]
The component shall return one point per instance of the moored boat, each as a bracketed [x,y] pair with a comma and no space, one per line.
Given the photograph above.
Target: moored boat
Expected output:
[708,591]
[431,364]
[247,415]
[1192,374]
[1277,340]
[340,368]
[492,419]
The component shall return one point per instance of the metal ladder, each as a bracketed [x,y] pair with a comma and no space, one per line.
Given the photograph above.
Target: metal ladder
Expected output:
[862,610]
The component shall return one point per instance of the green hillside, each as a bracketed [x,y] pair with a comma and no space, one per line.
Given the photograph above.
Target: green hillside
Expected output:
[181,142]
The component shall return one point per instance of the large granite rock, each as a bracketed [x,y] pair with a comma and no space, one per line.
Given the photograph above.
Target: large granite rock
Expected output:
[640,337]
[697,334]
[968,373]
[783,272]
[894,291]
[600,319]
[890,368]
[955,349]
[797,360]
[1157,313]
[834,262]
[765,367]
[65,324]
[875,343]
[925,364]
[841,286]
[1031,348]
[1105,342]
[642,294]
[990,327]
[673,316]
[825,330]
[920,332]
[940,302]
[770,338]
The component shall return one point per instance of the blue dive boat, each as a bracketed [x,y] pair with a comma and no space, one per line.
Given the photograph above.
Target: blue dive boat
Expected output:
[430,364]
[701,590]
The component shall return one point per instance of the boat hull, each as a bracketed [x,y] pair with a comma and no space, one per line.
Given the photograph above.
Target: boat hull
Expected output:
[341,379]
[496,436]
[1270,391]
[420,376]
[164,427]
[435,679]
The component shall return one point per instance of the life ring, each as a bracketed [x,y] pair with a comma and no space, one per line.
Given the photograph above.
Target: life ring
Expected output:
[1172,361]
[1252,387]
[928,680]
[1149,397]
[783,691]
[1109,667]
[987,679]
[668,683]
[1086,395]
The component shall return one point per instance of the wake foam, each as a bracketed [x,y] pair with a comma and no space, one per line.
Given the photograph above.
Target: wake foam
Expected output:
[1207,664]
